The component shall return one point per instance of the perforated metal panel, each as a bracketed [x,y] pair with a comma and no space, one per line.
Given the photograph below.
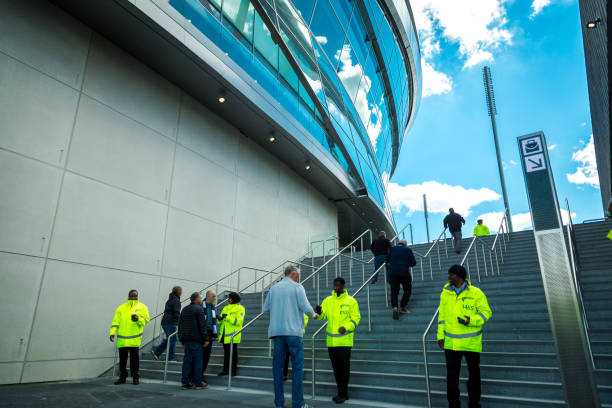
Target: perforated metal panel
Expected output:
[566,320]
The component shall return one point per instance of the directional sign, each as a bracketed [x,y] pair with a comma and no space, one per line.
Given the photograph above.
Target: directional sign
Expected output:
[536,162]
[539,181]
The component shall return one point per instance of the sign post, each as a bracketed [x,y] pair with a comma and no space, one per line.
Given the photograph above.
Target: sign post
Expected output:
[564,309]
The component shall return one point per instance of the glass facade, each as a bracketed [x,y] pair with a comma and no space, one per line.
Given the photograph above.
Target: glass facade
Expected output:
[348,57]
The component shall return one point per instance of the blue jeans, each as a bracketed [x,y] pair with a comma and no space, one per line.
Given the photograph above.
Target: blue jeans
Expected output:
[378,261]
[159,350]
[296,351]
[192,363]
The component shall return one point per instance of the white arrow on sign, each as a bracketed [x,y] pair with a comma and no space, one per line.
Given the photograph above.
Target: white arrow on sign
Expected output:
[535,163]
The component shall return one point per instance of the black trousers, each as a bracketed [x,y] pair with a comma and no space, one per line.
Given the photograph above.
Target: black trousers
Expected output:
[134,362]
[341,363]
[207,351]
[226,357]
[396,281]
[453,369]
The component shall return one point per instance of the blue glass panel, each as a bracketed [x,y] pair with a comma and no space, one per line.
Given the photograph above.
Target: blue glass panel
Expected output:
[327,30]
[287,72]
[357,38]
[376,14]
[262,73]
[350,72]
[240,13]
[306,98]
[235,50]
[200,18]
[386,39]
[343,9]
[263,42]
[305,8]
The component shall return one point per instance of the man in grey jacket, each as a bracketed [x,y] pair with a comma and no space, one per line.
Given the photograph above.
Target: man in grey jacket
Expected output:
[287,304]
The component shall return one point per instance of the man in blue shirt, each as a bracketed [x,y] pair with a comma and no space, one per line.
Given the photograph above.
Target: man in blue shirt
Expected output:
[287,304]
[400,260]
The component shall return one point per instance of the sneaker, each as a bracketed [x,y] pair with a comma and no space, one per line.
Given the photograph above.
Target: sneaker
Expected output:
[120,381]
[201,386]
[404,310]
[186,387]
[395,314]
[155,356]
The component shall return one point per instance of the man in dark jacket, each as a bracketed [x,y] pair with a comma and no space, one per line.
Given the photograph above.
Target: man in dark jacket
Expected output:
[169,323]
[380,249]
[211,327]
[192,335]
[453,222]
[400,260]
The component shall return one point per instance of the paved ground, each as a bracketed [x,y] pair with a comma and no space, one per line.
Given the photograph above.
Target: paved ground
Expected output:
[103,393]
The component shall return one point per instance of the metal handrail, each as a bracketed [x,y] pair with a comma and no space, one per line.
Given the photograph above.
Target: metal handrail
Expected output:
[575,271]
[315,273]
[365,284]
[431,322]
[167,352]
[435,244]
[229,376]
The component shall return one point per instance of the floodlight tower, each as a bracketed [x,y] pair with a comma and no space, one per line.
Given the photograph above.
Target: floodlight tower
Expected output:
[488,84]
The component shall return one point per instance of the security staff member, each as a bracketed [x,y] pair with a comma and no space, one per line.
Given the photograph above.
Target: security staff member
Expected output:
[463,312]
[232,318]
[342,314]
[128,323]
[480,229]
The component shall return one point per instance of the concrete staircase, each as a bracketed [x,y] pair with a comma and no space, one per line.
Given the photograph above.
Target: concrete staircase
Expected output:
[518,363]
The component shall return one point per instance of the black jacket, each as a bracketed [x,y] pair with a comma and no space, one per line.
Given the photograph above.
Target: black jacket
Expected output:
[192,324]
[400,260]
[172,311]
[380,246]
[453,222]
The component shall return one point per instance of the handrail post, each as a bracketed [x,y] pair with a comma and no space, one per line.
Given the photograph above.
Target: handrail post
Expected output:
[484,259]
[445,244]
[411,237]
[477,265]
[351,266]
[231,363]
[438,248]
[312,366]
[369,311]
[167,352]
[238,283]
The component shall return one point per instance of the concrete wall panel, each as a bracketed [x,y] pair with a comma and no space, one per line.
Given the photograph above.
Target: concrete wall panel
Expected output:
[10,373]
[202,131]
[65,369]
[101,225]
[203,188]
[197,249]
[20,279]
[45,38]
[110,147]
[122,82]
[36,112]
[76,307]
[256,211]
[257,166]
[29,196]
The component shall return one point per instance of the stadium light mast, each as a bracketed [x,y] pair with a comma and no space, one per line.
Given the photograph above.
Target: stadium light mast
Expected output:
[488,84]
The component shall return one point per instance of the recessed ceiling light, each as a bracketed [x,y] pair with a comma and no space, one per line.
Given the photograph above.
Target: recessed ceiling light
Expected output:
[272,139]
[593,23]
[307,166]
[353,204]
[221,99]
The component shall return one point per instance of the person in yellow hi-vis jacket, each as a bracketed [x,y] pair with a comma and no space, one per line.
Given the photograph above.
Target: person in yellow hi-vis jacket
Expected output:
[128,324]
[463,312]
[232,318]
[342,314]
[608,213]
[480,229]
[288,355]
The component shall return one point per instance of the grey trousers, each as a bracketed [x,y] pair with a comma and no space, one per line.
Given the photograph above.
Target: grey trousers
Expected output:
[456,240]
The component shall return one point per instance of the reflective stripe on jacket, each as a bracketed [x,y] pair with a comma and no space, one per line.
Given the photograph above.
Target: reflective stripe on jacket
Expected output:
[340,311]
[480,230]
[231,323]
[129,333]
[470,302]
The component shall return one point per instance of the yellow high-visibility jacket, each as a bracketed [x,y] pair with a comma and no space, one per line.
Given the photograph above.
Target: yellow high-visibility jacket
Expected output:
[480,230]
[231,323]
[129,333]
[609,234]
[340,311]
[470,302]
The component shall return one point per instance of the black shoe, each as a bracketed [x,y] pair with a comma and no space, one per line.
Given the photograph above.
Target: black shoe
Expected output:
[135,381]
[186,387]
[201,386]
[395,316]
[338,399]
[120,381]
[222,373]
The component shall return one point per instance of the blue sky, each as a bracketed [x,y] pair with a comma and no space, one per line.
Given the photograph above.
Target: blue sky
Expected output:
[534,49]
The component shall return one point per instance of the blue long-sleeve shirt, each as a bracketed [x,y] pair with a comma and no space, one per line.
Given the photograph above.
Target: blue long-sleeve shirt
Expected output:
[287,304]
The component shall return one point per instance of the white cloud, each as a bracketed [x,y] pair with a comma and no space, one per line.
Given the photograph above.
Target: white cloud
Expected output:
[477,26]
[583,124]
[321,39]
[586,172]
[520,221]
[512,162]
[434,82]
[552,147]
[537,6]
[440,197]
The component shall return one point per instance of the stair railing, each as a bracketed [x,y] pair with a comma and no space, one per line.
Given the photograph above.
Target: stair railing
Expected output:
[435,244]
[575,266]
[503,232]
[316,273]
[366,284]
